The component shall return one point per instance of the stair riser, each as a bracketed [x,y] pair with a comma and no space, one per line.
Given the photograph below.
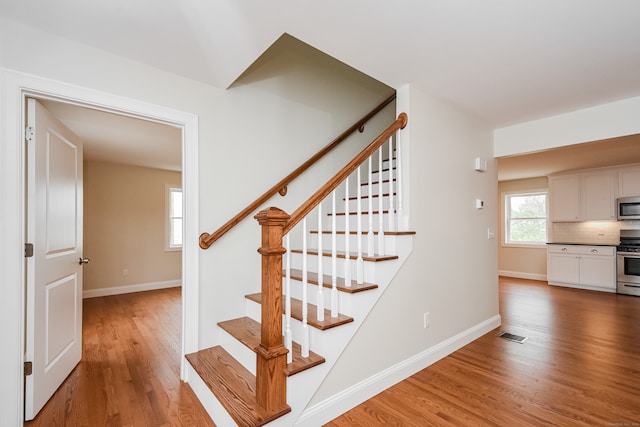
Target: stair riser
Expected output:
[375,176]
[319,341]
[211,404]
[345,300]
[353,221]
[353,204]
[327,208]
[239,351]
[385,163]
[353,242]
[369,268]
[373,189]
[360,305]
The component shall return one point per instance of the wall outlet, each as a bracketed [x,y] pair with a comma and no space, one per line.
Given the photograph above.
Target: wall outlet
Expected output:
[426,320]
[125,272]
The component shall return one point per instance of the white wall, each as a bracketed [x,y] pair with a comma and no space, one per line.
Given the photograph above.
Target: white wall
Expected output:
[452,272]
[250,137]
[604,121]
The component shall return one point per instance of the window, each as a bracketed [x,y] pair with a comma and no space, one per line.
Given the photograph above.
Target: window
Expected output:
[526,218]
[174,218]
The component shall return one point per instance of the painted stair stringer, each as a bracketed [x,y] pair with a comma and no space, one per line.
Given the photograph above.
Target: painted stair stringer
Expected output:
[331,343]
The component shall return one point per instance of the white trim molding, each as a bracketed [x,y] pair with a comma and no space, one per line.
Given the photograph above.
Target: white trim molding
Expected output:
[338,404]
[15,86]
[127,289]
[618,118]
[522,275]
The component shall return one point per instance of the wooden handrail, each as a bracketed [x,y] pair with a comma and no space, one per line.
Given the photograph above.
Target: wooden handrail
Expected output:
[333,183]
[206,239]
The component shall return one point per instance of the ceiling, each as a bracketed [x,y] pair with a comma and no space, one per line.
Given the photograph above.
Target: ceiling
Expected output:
[116,138]
[504,61]
[608,152]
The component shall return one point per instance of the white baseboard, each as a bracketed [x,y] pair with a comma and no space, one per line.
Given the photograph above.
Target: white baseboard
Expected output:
[349,398]
[127,289]
[522,275]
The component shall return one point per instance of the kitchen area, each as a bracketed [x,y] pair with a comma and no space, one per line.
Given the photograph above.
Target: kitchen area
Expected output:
[593,227]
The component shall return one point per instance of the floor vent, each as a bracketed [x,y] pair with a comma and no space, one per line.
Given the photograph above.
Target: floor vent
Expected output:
[512,337]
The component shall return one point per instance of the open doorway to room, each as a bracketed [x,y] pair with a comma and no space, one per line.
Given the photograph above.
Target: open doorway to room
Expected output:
[124,173]
[129,214]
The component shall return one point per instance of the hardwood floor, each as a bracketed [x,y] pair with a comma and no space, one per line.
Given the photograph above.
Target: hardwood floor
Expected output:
[579,366]
[130,369]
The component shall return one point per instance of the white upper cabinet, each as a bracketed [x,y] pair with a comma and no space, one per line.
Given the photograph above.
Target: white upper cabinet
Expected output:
[599,190]
[585,196]
[629,182]
[566,200]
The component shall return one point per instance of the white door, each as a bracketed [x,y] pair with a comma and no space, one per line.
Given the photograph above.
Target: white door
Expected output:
[54,273]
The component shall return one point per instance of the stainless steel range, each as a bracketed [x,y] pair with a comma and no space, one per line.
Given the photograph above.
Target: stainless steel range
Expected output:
[629,262]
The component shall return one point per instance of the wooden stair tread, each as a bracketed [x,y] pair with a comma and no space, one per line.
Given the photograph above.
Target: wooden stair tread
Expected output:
[248,332]
[366,196]
[356,213]
[327,282]
[388,233]
[363,184]
[233,385]
[312,313]
[351,255]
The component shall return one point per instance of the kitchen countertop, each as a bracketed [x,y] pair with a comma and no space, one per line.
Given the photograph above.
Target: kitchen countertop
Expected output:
[582,244]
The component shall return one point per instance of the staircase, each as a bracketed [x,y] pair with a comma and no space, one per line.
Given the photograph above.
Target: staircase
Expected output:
[320,296]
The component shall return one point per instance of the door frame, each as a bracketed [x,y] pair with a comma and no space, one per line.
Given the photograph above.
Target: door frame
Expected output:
[15,88]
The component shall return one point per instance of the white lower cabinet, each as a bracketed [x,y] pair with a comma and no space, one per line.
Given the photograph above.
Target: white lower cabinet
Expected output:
[582,266]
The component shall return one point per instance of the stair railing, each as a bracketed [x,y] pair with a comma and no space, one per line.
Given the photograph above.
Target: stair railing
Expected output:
[276,226]
[206,239]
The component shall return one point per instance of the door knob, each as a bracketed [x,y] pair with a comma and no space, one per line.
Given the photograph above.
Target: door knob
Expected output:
[84,261]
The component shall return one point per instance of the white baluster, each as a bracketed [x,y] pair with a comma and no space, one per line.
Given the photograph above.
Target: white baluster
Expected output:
[288,336]
[402,226]
[347,263]
[334,259]
[392,223]
[359,261]
[320,301]
[381,248]
[370,235]
[305,282]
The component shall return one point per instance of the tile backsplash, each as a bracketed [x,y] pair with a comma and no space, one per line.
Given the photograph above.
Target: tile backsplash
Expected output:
[590,232]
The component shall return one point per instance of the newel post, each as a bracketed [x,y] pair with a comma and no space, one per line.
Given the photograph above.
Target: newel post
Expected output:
[271,381]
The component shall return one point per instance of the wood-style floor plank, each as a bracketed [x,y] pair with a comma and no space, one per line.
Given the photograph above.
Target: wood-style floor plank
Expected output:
[130,369]
[579,366]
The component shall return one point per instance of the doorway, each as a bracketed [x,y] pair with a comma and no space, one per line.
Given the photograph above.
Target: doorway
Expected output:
[122,215]
[17,87]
